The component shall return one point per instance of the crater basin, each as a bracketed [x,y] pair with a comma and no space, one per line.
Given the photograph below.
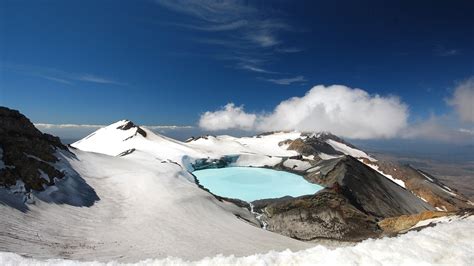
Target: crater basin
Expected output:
[249,183]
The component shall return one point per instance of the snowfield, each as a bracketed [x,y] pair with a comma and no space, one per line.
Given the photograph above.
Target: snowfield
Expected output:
[148,208]
[151,207]
[448,243]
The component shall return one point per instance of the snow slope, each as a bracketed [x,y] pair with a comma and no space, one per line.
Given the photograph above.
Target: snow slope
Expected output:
[262,144]
[253,151]
[148,208]
[338,146]
[427,247]
[113,141]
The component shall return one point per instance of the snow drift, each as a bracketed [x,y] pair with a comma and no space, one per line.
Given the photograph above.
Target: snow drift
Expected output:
[427,247]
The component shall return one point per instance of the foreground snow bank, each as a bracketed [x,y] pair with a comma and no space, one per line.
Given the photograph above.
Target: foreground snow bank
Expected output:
[449,243]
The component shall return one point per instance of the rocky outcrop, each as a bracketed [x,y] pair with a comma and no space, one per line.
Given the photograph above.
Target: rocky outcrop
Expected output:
[199,137]
[129,124]
[401,223]
[372,192]
[35,166]
[28,154]
[327,214]
[356,197]
[312,146]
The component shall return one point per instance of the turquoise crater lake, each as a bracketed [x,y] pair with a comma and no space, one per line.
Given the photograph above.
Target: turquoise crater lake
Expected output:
[249,184]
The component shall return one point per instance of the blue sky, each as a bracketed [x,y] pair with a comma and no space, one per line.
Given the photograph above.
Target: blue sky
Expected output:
[168,62]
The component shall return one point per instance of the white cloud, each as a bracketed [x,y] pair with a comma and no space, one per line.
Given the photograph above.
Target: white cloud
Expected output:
[254,68]
[94,79]
[228,117]
[467,131]
[55,79]
[440,50]
[463,100]
[172,127]
[52,126]
[289,50]
[86,126]
[59,76]
[347,112]
[287,81]
[442,128]
[77,131]
[262,38]
[210,10]
[248,28]
[234,25]
[438,128]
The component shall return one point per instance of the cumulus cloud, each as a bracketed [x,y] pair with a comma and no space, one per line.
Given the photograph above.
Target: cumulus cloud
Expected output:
[228,117]
[347,112]
[463,100]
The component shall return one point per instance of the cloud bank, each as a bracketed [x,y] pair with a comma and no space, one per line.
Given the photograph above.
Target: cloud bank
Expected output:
[344,111]
[463,100]
[453,127]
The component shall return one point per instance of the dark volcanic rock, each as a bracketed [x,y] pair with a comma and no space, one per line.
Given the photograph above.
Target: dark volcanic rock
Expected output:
[327,214]
[312,146]
[129,124]
[356,197]
[27,153]
[199,137]
[29,156]
[315,143]
[372,192]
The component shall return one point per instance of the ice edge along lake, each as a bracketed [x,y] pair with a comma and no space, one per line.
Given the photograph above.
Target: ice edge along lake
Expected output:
[250,183]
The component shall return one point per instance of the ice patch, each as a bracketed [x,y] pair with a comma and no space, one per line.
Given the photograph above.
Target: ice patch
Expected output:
[256,160]
[325,156]
[348,150]
[297,165]
[443,187]
[314,169]
[427,177]
[423,199]
[396,181]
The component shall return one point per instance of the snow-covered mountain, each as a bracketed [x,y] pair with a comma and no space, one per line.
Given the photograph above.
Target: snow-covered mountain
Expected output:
[125,193]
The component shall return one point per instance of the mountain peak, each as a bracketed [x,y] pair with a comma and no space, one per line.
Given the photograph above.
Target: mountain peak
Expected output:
[127,125]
